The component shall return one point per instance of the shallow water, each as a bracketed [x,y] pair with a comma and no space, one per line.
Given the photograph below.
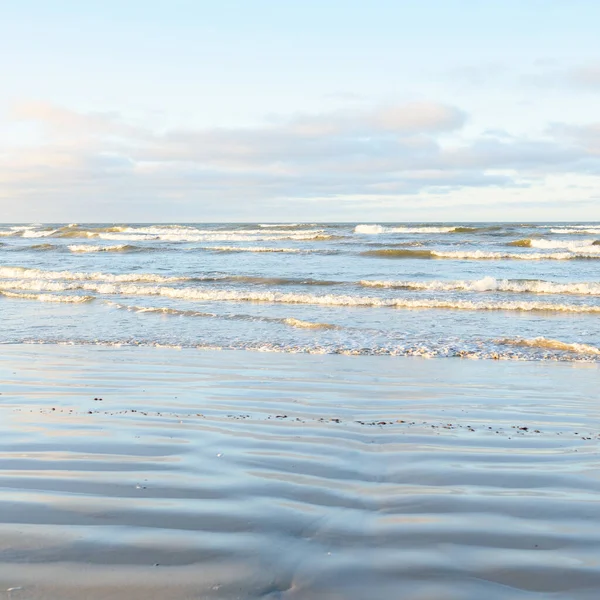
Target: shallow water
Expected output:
[498,290]
[154,473]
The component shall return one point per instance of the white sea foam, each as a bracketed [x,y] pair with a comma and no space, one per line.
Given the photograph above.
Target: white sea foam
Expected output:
[544,243]
[370,229]
[421,350]
[124,284]
[577,229]
[275,297]
[378,229]
[85,248]
[290,225]
[572,246]
[550,344]
[255,249]
[491,284]
[213,295]
[39,285]
[34,233]
[587,252]
[39,274]
[168,234]
[46,297]
[484,255]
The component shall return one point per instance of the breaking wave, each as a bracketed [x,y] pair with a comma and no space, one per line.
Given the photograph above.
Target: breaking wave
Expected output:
[75,233]
[491,284]
[285,225]
[256,249]
[589,252]
[549,344]
[41,247]
[47,297]
[84,248]
[480,254]
[212,235]
[578,229]
[41,275]
[579,246]
[378,229]
[399,253]
[38,274]
[276,297]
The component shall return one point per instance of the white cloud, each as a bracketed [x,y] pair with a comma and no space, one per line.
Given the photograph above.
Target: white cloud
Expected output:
[102,162]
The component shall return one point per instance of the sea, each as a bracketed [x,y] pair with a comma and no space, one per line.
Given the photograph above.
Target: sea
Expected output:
[504,291]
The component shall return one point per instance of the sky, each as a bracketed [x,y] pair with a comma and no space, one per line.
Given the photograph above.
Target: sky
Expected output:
[275,110]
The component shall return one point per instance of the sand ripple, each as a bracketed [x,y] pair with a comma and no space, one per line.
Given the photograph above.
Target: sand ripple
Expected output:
[140,473]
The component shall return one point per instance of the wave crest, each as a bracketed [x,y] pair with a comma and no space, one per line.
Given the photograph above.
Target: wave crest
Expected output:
[491,284]
[379,229]
[47,297]
[584,252]
[85,248]
[550,344]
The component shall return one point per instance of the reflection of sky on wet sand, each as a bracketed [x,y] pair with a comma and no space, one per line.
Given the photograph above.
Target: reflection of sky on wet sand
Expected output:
[303,473]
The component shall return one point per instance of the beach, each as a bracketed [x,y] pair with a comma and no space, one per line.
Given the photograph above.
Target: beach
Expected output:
[163,473]
[300,300]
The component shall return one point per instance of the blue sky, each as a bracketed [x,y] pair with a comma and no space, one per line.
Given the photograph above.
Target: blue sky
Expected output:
[329,110]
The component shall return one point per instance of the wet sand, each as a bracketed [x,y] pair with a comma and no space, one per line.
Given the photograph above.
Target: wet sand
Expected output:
[130,473]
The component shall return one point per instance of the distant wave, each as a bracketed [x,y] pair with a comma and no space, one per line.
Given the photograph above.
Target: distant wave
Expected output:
[488,228]
[41,247]
[189,234]
[254,249]
[491,284]
[265,236]
[33,248]
[483,255]
[84,248]
[584,253]
[75,233]
[378,229]
[173,233]
[286,225]
[580,230]
[590,245]
[399,253]
[550,344]
[35,233]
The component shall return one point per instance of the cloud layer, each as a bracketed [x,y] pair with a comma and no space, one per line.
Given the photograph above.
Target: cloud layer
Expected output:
[389,151]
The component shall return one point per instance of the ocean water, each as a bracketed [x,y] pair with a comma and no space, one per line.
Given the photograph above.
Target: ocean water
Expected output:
[471,290]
